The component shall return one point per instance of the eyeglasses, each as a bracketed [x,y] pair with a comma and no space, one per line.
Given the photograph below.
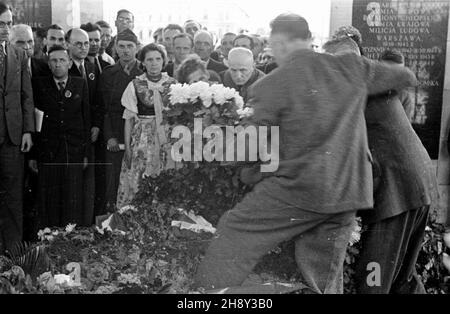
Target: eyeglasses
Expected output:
[5,25]
[81,45]
[124,19]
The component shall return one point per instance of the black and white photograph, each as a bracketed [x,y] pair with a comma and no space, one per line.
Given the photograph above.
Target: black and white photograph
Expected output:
[224,152]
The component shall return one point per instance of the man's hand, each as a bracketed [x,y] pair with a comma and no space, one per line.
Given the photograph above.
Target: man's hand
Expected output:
[33,165]
[94,134]
[113,145]
[27,143]
[85,163]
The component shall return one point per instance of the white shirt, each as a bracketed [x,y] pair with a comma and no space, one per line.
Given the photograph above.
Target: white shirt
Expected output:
[57,81]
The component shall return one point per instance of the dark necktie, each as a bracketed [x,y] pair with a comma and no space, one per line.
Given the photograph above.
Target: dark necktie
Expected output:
[82,71]
[61,86]
[2,57]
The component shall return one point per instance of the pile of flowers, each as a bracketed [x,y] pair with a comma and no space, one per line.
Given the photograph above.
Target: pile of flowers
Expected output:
[214,104]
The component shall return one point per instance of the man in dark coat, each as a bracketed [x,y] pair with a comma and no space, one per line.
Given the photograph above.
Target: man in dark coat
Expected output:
[63,143]
[78,46]
[324,173]
[242,72]
[16,126]
[404,187]
[113,83]
[203,47]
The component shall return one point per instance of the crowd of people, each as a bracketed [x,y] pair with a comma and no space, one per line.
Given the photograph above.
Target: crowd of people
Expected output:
[80,126]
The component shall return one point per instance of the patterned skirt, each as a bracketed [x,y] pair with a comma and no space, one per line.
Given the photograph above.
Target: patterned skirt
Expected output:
[146,159]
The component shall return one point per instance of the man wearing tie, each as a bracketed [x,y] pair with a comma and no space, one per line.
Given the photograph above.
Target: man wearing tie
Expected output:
[94,32]
[64,143]
[16,126]
[78,46]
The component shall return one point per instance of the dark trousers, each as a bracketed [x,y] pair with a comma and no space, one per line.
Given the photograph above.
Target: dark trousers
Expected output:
[394,244]
[89,188]
[258,224]
[113,168]
[61,192]
[11,195]
[100,178]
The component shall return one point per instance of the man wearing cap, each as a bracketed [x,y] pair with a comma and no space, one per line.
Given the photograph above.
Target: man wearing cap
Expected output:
[113,83]
[242,72]
[324,174]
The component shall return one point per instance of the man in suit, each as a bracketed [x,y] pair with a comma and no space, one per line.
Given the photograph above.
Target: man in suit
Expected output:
[404,187]
[113,82]
[63,144]
[16,126]
[78,46]
[242,72]
[55,37]
[324,173]
[94,33]
[203,46]
[22,37]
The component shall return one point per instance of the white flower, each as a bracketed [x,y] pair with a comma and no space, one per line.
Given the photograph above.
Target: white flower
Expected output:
[229,93]
[42,234]
[206,98]
[178,94]
[218,93]
[196,89]
[245,113]
[239,101]
[70,228]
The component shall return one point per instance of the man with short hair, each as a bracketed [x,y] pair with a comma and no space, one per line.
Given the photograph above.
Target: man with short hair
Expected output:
[55,37]
[113,82]
[245,41]
[203,46]
[63,145]
[79,45]
[191,27]
[124,20]
[257,46]
[226,46]
[16,127]
[324,174]
[106,38]
[170,31]
[183,45]
[242,72]
[94,33]
[39,35]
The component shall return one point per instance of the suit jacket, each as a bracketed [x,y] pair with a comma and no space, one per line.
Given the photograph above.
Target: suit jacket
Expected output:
[39,68]
[17,96]
[92,76]
[66,118]
[216,66]
[318,102]
[113,83]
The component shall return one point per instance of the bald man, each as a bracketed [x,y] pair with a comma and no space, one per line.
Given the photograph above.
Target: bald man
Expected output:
[78,46]
[203,47]
[242,72]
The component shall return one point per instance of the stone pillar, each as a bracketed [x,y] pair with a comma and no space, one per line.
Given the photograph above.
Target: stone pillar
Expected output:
[66,13]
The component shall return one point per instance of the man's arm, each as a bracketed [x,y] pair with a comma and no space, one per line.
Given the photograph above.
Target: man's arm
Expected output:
[381,77]
[86,118]
[26,95]
[104,95]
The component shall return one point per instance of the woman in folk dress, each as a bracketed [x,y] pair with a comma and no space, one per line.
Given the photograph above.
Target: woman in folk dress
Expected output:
[144,134]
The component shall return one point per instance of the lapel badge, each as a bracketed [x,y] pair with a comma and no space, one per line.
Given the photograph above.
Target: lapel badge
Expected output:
[92,76]
[68,94]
